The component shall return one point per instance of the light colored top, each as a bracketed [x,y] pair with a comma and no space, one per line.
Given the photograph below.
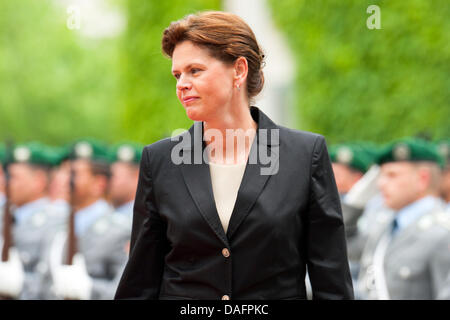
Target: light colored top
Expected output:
[226,180]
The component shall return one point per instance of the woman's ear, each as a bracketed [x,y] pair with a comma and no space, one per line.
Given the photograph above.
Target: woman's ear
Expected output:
[240,70]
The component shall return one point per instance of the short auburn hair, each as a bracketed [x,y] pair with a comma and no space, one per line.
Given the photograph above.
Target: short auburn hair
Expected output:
[226,36]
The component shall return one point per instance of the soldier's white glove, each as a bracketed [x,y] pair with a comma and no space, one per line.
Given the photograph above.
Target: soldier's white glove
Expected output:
[72,281]
[12,275]
[363,190]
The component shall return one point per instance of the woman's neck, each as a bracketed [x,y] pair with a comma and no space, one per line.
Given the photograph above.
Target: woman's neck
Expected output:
[230,136]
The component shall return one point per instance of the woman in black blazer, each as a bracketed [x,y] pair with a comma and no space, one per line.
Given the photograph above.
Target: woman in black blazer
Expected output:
[286,217]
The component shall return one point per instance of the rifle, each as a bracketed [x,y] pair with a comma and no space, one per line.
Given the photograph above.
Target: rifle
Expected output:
[71,237]
[7,217]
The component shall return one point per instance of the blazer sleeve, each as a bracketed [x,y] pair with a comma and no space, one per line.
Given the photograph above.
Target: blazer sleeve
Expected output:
[326,250]
[143,273]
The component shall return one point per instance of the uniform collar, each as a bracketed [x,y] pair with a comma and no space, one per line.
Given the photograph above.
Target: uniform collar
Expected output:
[2,200]
[24,212]
[85,217]
[415,210]
[126,208]
[61,205]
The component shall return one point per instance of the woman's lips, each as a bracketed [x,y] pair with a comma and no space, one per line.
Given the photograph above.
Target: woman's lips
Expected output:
[188,100]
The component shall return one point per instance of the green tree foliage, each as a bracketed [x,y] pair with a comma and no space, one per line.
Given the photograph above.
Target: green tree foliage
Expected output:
[55,85]
[149,108]
[356,83]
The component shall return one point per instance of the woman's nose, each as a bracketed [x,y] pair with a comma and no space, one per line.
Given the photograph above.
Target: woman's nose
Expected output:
[183,83]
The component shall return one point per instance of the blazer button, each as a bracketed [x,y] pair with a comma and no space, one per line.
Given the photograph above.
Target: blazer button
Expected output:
[225,252]
[226,297]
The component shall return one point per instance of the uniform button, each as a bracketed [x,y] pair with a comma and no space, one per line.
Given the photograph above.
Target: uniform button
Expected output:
[225,252]
[226,297]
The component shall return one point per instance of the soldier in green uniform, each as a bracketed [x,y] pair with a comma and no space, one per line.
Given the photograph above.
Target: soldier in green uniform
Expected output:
[101,235]
[443,148]
[124,179]
[59,192]
[2,176]
[34,221]
[351,163]
[407,254]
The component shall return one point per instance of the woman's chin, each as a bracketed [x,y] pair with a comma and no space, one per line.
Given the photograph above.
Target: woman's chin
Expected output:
[193,114]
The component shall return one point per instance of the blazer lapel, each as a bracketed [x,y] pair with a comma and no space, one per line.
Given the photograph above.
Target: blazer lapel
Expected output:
[198,181]
[253,181]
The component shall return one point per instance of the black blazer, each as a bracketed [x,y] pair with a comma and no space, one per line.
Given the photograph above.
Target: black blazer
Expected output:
[281,225]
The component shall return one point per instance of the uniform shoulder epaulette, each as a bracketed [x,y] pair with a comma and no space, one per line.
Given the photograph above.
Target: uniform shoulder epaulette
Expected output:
[442,218]
[426,221]
[119,219]
[102,224]
[40,218]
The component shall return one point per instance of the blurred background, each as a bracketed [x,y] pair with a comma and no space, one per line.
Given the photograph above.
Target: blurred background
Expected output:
[78,68]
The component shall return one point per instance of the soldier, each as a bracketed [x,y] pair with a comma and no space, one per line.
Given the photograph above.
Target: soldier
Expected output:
[101,235]
[444,150]
[59,192]
[2,177]
[407,255]
[124,179]
[34,221]
[351,162]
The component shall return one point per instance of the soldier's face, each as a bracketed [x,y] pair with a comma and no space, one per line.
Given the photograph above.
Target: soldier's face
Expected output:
[26,184]
[345,177]
[204,83]
[59,182]
[84,180]
[445,184]
[123,183]
[89,187]
[400,184]
[2,180]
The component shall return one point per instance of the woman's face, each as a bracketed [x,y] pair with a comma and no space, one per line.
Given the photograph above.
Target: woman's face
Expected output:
[204,84]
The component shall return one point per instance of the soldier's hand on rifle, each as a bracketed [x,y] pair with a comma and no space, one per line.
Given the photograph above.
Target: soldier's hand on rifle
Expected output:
[72,281]
[11,275]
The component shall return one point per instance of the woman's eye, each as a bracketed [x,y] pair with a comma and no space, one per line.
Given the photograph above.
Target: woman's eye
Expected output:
[195,70]
[177,76]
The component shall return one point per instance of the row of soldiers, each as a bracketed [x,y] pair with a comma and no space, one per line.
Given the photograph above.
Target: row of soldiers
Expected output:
[66,216]
[396,207]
